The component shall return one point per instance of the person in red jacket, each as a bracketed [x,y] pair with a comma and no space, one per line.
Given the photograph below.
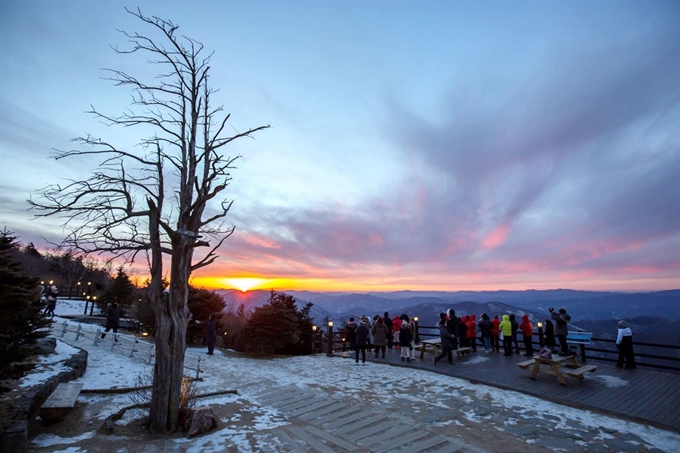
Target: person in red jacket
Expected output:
[472,333]
[396,326]
[495,331]
[527,329]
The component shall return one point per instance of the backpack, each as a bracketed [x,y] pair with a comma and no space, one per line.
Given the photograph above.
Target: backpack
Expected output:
[545,353]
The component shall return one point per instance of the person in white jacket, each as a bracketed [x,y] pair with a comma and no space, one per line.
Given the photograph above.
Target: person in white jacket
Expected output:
[624,342]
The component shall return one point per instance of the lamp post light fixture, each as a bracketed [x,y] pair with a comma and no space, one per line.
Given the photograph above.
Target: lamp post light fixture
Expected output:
[330,339]
[540,334]
[314,338]
[416,336]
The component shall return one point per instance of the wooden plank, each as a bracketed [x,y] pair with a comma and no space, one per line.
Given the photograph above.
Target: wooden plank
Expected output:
[304,436]
[347,420]
[332,407]
[363,422]
[401,441]
[332,439]
[312,409]
[399,430]
[337,415]
[287,439]
[287,408]
[424,444]
[370,430]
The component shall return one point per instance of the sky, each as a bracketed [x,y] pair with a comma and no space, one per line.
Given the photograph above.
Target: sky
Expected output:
[439,146]
[252,424]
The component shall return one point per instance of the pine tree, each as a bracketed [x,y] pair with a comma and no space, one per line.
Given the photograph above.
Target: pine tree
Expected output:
[120,290]
[278,327]
[21,320]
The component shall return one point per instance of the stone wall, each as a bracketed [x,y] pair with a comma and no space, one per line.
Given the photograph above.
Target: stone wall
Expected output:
[14,430]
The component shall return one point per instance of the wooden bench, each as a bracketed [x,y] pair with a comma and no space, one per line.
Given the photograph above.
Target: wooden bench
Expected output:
[460,352]
[526,364]
[579,372]
[60,402]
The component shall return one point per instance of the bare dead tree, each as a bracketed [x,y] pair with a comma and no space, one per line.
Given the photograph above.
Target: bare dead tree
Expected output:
[163,200]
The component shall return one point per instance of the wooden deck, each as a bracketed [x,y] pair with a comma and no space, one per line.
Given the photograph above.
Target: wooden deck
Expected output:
[643,395]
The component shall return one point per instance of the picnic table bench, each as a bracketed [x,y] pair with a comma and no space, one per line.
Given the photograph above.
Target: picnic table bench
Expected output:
[60,402]
[434,345]
[557,366]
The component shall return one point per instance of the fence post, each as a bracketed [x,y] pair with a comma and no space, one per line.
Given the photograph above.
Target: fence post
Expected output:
[63,331]
[114,343]
[329,353]
[540,334]
[416,337]
[198,368]
[313,338]
[97,337]
[134,346]
[78,331]
[151,348]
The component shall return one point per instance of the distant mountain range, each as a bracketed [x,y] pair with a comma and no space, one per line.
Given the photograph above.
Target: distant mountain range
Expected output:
[654,316]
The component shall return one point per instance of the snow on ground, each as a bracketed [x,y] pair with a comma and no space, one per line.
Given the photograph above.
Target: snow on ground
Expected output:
[373,383]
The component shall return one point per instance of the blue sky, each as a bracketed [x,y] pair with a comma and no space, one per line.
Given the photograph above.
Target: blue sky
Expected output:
[414,145]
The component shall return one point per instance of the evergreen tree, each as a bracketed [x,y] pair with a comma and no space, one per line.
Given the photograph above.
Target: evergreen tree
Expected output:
[202,303]
[120,290]
[278,327]
[21,320]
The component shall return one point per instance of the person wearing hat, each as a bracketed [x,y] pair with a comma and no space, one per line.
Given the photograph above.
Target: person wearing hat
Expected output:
[624,342]
[362,340]
[561,318]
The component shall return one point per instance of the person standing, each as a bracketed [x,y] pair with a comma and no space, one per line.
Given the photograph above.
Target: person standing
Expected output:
[562,319]
[446,338]
[527,329]
[211,333]
[388,323]
[485,327]
[515,328]
[506,327]
[351,333]
[396,327]
[462,332]
[405,338]
[452,325]
[52,293]
[549,334]
[112,314]
[380,334]
[472,333]
[624,342]
[495,346]
[362,340]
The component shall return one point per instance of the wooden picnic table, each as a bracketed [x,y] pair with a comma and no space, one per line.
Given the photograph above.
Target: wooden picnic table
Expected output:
[557,366]
[435,345]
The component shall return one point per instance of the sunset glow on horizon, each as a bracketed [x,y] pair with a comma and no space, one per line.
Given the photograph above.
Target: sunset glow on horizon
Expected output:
[459,146]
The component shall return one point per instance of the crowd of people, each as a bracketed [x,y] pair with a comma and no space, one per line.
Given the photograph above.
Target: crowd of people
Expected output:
[382,332]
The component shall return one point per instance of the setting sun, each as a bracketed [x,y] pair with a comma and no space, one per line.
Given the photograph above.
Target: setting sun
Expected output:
[244,284]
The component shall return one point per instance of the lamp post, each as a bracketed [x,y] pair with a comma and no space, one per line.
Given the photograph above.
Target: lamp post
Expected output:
[94,299]
[540,334]
[416,334]
[329,353]
[313,338]
[87,303]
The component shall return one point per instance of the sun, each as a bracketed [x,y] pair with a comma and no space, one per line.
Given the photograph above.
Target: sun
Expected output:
[244,284]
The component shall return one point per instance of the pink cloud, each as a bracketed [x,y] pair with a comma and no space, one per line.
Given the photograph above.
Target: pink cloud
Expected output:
[497,237]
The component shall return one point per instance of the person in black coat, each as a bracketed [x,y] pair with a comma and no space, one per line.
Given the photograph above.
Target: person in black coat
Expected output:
[112,314]
[351,333]
[211,333]
[388,322]
[549,334]
[362,340]
[446,338]
[624,342]
[405,338]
